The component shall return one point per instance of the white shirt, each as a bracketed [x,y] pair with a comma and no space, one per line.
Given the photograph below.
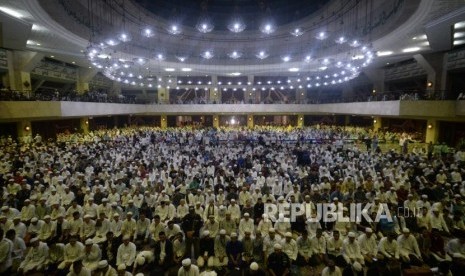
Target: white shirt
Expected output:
[126,254]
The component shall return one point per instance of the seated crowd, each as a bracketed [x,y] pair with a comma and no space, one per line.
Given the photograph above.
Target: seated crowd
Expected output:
[152,201]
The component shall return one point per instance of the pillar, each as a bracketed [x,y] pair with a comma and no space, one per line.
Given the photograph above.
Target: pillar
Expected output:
[163,95]
[250,122]
[164,121]
[347,120]
[24,130]
[216,121]
[84,76]
[214,95]
[377,123]
[300,120]
[23,81]
[432,131]
[84,125]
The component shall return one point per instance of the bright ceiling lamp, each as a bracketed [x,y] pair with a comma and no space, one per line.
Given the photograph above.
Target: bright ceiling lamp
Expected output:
[286,58]
[322,35]
[297,32]
[235,54]
[294,69]
[459,25]
[207,55]
[124,37]
[170,69]
[204,25]
[262,55]
[411,49]
[147,32]
[459,42]
[341,40]
[11,12]
[236,26]
[308,58]
[384,53]
[181,58]
[112,42]
[141,61]
[267,28]
[186,69]
[174,29]
[354,43]
[160,57]
[235,74]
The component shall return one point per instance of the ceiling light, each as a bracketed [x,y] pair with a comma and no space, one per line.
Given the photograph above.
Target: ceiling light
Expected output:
[11,12]
[181,59]
[321,36]
[384,53]
[235,55]
[411,49]
[459,34]
[293,69]
[267,28]
[112,42]
[204,26]
[174,30]
[73,62]
[341,40]
[262,55]
[459,42]
[459,25]
[160,57]
[354,43]
[141,61]
[124,37]
[207,55]
[236,26]
[170,69]
[186,69]
[286,58]
[147,32]
[308,58]
[297,32]
[52,56]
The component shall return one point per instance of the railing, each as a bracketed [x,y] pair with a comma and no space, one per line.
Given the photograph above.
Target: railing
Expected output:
[95,96]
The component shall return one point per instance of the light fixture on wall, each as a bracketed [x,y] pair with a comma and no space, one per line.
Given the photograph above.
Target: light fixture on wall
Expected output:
[430,126]
[27,128]
[429,84]
[374,121]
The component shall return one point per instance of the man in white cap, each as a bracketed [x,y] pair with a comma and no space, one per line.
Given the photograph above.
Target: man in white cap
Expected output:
[212,226]
[368,246]
[278,262]
[36,259]
[188,269]
[87,228]
[228,224]
[351,252]
[255,270]
[92,255]
[221,258]
[104,269]
[246,224]
[289,246]
[47,230]
[126,253]
[78,269]
[331,270]
[129,225]
[73,251]
[28,211]
[409,251]
[235,211]
[334,247]
[437,220]
[6,251]
[207,249]
[269,242]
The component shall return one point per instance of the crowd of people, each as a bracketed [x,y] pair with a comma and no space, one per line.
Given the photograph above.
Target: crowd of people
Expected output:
[197,202]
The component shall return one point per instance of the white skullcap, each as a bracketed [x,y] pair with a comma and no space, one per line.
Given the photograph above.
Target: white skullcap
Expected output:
[351,235]
[424,196]
[222,232]
[206,233]
[89,242]
[87,216]
[334,199]
[5,208]
[406,230]
[277,246]
[233,234]
[368,230]
[34,240]
[34,220]
[246,215]
[186,262]
[272,230]
[126,237]
[103,264]
[122,267]
[288,235]
[254,266]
